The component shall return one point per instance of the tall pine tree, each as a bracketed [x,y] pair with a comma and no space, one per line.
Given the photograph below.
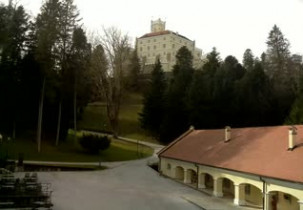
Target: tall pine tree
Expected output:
[176,120]
[200,97]
[248,60]
[281,76]
[153,102]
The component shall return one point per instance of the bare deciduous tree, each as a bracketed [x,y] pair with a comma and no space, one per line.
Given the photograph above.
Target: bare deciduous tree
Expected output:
[109,63]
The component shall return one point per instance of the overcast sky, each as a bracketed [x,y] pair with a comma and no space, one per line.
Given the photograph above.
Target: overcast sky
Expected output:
[229,25]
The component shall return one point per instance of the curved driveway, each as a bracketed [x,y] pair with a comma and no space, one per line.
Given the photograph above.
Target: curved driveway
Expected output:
[129,185]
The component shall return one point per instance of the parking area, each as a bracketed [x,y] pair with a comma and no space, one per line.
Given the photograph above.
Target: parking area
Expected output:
[130,185]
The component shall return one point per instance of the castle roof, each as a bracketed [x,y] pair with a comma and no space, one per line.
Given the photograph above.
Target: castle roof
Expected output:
[152,34]
[261,151]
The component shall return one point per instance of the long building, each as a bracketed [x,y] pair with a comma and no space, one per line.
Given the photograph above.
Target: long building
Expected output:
[164,44]
[258,167]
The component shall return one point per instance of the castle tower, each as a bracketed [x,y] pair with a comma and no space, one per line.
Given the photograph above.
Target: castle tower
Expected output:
[157,25]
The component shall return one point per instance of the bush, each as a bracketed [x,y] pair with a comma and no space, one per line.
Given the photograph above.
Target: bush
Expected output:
[94,143]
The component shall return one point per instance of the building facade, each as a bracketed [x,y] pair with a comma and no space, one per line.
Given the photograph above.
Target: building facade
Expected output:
[254,167]
[164,44]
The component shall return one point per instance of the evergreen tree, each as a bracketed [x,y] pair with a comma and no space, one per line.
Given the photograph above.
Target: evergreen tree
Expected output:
[224,82]
[248,60]
[68,19]
[176,119]
[277,53]
[296,112]
[153,102]
[200,96]
[3,25]
[77,74]
[281,76]
[134,72]
[47,33]
[253,98]
[213,62]
[12,47]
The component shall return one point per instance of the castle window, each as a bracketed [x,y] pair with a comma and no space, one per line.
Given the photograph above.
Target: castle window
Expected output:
[168,57]
[164,45]
[148,47]
[155,47]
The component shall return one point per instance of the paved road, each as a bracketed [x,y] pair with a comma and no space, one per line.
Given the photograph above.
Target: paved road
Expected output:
[128,185]
[131,186]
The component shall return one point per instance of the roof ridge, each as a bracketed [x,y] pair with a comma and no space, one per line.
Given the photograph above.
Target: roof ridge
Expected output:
[176,140]
[158,33]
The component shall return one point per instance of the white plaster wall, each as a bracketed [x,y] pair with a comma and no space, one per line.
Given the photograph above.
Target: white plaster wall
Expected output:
[151,47]
[294,189]
[272,185]
[290,204]
[255,196]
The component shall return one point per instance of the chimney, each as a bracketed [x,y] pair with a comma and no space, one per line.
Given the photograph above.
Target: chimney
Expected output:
[292,134]
[227,134]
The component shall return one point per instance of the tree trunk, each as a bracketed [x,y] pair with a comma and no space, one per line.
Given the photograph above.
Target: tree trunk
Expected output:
[59,124]
[14,129]
[40,114]
[75,112]
[114,126]
[113,119]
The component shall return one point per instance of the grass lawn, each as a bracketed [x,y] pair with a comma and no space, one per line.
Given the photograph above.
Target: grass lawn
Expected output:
[94,118]
[68,151]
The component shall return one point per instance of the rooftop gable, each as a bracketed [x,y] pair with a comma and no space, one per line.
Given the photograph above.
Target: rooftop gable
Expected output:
[259,150]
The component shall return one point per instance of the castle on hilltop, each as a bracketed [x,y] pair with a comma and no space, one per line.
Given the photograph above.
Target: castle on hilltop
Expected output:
[164,44]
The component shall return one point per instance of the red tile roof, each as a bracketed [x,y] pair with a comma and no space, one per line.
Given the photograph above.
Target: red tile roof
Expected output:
[162,33]
[155,34]
[260,150]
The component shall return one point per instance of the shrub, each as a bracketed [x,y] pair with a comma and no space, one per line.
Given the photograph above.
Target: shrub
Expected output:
[94,143]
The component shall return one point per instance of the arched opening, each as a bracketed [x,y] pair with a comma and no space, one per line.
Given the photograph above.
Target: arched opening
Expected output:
[228,188]
[252,195]
[206,181]
[209,181]
[280,201]
[192,176]
[179,173]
